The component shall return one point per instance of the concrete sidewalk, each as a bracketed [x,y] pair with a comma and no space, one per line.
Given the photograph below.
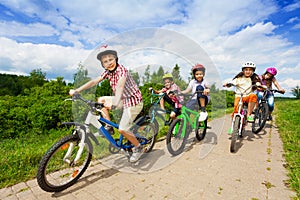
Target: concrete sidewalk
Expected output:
[206,170]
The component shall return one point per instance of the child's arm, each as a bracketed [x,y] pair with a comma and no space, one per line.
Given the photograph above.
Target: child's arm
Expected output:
[186,91]
[119,91]
[155,91]
[278,86]
[87,85]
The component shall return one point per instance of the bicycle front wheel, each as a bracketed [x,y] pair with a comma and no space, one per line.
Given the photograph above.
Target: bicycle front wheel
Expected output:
[57,170]
[260,117]
[176,137]
[235,133]
[200,130]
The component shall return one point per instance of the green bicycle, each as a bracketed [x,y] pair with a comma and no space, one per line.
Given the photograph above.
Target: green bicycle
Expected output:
[181,127]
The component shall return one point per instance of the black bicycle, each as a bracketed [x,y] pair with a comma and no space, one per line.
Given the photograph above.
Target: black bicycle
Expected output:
[262,111]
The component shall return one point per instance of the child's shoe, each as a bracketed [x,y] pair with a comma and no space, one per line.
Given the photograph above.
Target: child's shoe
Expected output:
[250,119]
[137,153]
[203,116]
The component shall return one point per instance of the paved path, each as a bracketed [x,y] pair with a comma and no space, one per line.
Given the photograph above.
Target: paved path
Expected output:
[206,170]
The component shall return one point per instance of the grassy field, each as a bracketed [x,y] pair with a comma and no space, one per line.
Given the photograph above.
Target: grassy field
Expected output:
[19,158]
[287,117]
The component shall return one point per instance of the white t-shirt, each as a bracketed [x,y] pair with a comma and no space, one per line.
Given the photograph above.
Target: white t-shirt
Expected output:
[245,84]
[193,85]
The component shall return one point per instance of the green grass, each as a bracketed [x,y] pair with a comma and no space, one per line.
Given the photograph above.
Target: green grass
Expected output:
[287,119]
[19,157]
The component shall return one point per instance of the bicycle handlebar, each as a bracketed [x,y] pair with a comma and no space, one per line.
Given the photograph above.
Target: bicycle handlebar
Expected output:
[259,86]
[94,105]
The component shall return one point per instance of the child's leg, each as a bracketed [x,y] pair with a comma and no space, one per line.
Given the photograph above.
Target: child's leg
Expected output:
[128,116]
[202,104]
[252,99]
[105,100]
[162,103]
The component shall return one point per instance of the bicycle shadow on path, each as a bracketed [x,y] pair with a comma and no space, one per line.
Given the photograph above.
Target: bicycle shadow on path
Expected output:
[249,136]
[87,180]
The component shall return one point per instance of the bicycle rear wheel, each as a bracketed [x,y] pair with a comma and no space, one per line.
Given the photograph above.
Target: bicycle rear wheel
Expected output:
[260,117]
[176,137]
[54,172]
[235,133]
[146,133]
[200,130]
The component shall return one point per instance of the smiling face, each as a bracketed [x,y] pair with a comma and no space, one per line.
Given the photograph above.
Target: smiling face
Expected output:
[248,71]
[109,62]
[167,83]
[199,75]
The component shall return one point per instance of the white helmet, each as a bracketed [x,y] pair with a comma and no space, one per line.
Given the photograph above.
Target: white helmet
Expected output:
[250,65]
[104,50]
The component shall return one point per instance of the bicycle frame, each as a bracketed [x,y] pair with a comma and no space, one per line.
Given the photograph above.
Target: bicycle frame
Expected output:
[95,120]
[242,112]
[186,116]
[156,108]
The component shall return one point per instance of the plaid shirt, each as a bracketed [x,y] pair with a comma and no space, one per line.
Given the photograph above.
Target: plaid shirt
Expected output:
[131,94]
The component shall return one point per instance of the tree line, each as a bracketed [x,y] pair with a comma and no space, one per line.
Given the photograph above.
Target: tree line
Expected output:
[33,105]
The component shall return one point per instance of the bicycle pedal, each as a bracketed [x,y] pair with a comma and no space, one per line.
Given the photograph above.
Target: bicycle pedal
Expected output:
[209,127]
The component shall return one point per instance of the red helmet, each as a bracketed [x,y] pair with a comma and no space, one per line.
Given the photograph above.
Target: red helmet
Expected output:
[198,67]
[272,70]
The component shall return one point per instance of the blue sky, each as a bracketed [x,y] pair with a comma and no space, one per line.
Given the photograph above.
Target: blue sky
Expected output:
[57,35]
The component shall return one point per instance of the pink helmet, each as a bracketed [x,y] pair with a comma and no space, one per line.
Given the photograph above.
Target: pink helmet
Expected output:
[198,67]
[272,70]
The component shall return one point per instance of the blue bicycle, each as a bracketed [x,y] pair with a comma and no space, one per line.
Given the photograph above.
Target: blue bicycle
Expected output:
[66,161]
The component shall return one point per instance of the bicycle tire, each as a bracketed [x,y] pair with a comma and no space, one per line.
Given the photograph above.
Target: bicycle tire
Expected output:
[200,130]
[148,130]
[235,133]
[53,177]
[176,140]
[260,117]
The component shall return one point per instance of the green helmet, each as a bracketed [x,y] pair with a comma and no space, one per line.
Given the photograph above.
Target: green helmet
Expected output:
[168,76]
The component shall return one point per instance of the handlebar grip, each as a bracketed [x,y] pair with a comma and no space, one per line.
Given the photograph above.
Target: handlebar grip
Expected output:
[229,85]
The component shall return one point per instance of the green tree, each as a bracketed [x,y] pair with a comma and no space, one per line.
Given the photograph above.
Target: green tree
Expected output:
[296,92]
[135,76]
[177,78]
[81,76]
[156,77]
[38,77]
[146,77]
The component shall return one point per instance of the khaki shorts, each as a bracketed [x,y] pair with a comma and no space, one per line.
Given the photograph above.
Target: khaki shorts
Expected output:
[129,113]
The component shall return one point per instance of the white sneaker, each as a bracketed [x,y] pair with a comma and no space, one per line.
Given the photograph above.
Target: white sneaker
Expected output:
[137,153]
[203,116]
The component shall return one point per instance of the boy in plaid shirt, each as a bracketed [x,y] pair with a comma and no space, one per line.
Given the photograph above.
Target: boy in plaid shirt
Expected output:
[126,95]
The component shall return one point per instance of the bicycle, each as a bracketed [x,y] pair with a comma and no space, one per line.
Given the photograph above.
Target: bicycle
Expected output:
[239,120]
[66,161]
[156,112]
[262,111]
[181,127]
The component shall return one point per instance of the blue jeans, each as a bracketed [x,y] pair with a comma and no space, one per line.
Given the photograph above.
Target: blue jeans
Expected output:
[270,100]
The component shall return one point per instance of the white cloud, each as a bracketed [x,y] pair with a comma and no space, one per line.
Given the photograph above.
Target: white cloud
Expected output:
[24,57]
[231,32]
[19,29]
[292,7]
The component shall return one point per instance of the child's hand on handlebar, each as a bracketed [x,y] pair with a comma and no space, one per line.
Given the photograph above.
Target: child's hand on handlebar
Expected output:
[72,92]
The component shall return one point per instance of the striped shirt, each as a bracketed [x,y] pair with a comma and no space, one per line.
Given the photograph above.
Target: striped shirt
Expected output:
[131,94]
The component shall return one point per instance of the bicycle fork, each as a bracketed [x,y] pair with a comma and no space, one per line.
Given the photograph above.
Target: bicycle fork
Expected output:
[71,148]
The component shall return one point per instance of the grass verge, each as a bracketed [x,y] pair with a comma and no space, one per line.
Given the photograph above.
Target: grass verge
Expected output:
[287,119]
